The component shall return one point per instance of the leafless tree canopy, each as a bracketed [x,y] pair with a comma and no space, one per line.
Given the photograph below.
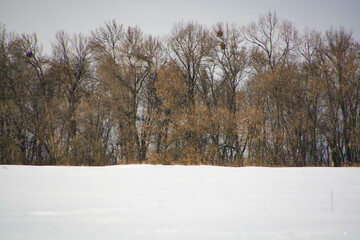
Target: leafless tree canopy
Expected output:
[259,94]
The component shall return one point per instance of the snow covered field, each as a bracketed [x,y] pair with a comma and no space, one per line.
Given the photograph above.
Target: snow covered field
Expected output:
[178,202]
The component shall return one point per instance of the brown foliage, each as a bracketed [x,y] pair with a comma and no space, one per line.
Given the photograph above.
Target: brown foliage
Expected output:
[257,95]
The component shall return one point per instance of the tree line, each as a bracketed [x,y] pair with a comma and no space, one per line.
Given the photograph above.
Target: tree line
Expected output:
[259,94]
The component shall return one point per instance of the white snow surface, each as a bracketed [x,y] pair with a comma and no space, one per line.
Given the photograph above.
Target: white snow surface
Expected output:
[178,202]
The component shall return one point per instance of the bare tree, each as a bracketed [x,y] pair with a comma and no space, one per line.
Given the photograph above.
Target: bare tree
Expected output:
[340,68]
[230,55]
[274,42]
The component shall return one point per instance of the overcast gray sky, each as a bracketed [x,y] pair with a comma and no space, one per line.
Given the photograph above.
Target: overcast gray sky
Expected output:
[46,17]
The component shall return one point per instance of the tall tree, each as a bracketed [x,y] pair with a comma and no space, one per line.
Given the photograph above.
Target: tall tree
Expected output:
[127,61]
[230,55]
[273,56]
[72,70]
[189,49]
[340,58]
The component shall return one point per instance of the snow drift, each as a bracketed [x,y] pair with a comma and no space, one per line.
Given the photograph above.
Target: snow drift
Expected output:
[179,202]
